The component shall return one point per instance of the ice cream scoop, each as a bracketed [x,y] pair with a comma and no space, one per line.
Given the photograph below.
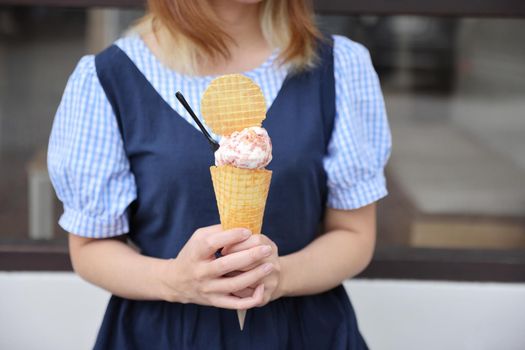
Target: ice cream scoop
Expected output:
[250,148]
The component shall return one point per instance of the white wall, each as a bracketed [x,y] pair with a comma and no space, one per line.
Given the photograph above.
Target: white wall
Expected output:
[48,311]
[440,315]
[59,311]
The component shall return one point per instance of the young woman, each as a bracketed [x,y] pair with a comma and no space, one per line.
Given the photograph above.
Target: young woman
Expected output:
[130,166]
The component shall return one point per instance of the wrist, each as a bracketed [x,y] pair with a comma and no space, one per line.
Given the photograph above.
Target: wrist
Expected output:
[284,280]
[168,286]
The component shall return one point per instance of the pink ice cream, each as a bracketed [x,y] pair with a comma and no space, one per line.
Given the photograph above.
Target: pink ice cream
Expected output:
[250,148]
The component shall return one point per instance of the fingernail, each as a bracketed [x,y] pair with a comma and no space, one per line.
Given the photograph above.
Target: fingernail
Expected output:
[267,268]
[246,233]
[266,249]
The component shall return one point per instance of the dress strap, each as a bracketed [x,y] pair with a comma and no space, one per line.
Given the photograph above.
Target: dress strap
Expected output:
[328,98]
[126,88]
[106,62]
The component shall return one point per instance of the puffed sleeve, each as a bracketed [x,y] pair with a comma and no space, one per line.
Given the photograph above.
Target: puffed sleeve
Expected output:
[86,160]
[361,142]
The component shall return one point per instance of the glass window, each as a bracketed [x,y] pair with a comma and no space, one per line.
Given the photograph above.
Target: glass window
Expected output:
[39,48]
[454,90]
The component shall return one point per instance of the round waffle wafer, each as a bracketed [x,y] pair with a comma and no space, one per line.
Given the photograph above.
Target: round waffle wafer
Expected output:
[232,103]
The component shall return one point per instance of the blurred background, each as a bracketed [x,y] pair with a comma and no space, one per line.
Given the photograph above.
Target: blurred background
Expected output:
[449,269]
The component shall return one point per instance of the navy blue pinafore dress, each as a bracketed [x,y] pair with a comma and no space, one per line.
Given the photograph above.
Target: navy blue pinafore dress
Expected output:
[170,160]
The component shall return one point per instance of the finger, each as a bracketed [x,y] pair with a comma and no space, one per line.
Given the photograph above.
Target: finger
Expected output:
[242,281]
[213,242]
[250,267]
[233,273]
[239,260]
[207,230]
[235,303]
[251,242]
[243,293]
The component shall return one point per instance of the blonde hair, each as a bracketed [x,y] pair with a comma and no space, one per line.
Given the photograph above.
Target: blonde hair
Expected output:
[191,29]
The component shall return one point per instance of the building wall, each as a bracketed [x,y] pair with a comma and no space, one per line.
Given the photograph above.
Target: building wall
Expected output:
[60,311]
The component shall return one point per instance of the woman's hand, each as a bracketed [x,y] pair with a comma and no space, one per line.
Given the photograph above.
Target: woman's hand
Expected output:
[272,281]
[197,276]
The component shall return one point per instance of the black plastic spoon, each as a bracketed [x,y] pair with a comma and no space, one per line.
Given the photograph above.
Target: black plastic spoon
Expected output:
[214,144]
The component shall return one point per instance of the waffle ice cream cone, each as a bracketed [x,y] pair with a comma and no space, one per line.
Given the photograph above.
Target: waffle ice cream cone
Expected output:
[233,103]
[241,196]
